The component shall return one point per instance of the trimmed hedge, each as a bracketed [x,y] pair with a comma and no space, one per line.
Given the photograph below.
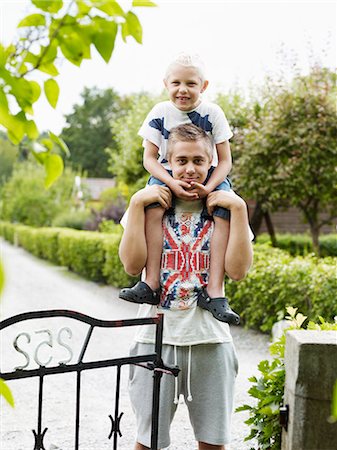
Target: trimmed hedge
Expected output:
[301,244]
[91,254]
[276,280]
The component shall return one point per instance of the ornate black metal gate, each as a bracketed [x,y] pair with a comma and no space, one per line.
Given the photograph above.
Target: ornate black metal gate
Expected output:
[151,362]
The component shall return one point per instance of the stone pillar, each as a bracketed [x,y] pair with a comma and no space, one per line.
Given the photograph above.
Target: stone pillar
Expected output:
[311,371]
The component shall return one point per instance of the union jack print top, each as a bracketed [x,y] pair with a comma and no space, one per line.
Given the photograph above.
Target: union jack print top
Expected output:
[184,269]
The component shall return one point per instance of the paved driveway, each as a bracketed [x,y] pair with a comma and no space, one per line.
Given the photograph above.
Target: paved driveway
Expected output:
[32,284]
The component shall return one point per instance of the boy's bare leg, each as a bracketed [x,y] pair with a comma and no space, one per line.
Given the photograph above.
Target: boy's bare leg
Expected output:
[219,243]
[204,446]
[154,241]
[140,446]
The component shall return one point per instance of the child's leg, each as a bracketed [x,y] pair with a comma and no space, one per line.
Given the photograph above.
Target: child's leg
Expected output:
[218,248]
[154,241]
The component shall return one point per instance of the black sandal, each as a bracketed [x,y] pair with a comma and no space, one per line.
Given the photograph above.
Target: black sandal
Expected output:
[140,293]
[219,307]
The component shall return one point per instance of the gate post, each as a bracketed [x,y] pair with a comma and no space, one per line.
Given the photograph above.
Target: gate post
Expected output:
[311,371]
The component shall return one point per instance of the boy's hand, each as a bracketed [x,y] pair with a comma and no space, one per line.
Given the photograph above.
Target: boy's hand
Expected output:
[200,189]
[182,189]
[153,194]
[224,199]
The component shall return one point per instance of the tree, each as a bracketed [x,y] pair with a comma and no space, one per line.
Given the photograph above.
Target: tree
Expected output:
[126,160]
[24,200]
[88,130]
[287,153]
[55,30]
[8,156]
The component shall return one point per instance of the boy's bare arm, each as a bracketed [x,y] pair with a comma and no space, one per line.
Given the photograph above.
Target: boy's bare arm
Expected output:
[239,253]
[152,165]
[133,247]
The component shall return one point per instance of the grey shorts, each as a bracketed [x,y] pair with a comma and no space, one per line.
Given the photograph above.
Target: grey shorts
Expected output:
[213,370]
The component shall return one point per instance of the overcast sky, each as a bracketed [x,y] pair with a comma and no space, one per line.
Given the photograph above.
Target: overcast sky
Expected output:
[240,42]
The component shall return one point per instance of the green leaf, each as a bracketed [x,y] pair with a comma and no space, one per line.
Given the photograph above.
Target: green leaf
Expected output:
[16,127]
[83,8]
[110,7]
[132,27]
[137,3]
[47,143]
[52,91]
[54,168]
[6,393]
[35,91]
[49,68]
[104,39]
[34,20]
[72,48]
[60,142]
[31,130]
[52,6]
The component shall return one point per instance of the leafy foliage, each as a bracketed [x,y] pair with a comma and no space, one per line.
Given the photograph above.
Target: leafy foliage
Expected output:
[25,200]
[29,66]
[126,161]
[76,219]
[286,153]
[8,157]
[278,279]
[88,130]
[301,244]
[268,388]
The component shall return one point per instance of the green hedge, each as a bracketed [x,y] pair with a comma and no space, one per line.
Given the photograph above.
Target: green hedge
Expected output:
[92,255]
[277,280]
[301,244]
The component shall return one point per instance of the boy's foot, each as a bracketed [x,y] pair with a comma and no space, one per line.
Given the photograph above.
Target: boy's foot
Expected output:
[219,307]
[140,293]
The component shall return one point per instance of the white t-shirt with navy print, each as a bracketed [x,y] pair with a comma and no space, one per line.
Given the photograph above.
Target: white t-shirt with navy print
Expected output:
[165,115]
[184,269]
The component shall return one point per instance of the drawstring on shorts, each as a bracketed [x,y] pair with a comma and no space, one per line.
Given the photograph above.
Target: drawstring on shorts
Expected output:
[189,369]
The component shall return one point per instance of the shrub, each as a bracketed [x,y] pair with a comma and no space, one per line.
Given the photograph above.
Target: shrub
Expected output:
[83,252]
[25,199]
[277,280]
[72,219]
[301,244]
[113,269]
[7,230]
[47,243]
[268,389]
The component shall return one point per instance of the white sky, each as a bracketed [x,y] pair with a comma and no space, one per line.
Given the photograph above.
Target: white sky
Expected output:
[239,42]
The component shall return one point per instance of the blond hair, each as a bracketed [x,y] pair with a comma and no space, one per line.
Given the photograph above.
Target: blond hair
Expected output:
[188,60]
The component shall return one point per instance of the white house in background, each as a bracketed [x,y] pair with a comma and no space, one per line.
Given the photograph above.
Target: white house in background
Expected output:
[95,186]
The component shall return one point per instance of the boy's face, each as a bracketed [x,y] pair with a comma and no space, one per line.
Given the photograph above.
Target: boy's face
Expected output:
[184,87]
[190,161]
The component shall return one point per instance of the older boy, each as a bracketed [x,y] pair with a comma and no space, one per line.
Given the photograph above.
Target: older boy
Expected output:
[193,339]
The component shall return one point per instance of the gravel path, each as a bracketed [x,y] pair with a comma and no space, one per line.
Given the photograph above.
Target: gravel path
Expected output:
[32,284]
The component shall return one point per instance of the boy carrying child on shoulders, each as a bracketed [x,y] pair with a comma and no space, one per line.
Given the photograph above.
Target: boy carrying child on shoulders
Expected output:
[192,338]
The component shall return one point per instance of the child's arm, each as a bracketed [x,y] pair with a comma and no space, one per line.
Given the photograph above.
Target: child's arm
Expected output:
[133,247]
[220,172]
[152,165]
[239,253]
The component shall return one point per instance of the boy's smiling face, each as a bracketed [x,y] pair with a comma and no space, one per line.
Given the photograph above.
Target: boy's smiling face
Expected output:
[184,87]
[190,161]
